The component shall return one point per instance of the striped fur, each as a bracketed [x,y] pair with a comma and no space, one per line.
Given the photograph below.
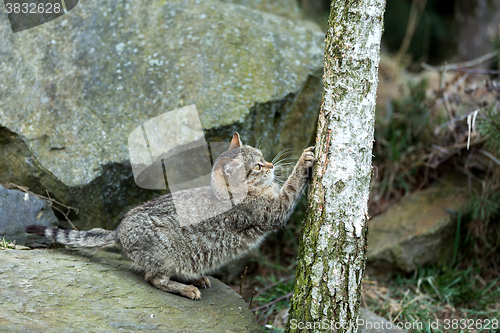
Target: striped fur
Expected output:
[95,238]
[170,253]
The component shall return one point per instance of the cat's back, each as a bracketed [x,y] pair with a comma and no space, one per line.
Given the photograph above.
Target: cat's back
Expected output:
[185,215]
[153,234]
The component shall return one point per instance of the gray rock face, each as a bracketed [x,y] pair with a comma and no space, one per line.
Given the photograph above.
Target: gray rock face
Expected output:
[285,8]
[17,210]
[68,291]
[416,231]
[73,90]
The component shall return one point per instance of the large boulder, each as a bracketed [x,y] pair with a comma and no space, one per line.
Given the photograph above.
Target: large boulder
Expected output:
[285,8]
[73,89]
[70,291]
[418,230]
[17,210]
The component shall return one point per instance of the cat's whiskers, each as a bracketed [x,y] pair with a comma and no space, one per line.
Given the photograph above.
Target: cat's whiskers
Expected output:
[284,167]
[259,141]
[282,163]
[280,154]
[285,162]
[279,181]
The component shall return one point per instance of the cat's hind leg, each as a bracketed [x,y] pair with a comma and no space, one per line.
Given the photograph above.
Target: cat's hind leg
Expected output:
[164,283]
[202,282]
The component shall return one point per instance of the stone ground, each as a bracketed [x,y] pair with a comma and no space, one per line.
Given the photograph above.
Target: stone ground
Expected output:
[65,290]
[71,291]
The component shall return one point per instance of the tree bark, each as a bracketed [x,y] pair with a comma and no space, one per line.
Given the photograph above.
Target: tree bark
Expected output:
[333,248]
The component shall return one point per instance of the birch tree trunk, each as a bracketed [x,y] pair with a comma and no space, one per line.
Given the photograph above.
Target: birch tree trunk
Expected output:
[333,248]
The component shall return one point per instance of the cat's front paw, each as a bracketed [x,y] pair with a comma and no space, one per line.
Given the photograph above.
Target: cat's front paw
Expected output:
[307,159]
[191,292]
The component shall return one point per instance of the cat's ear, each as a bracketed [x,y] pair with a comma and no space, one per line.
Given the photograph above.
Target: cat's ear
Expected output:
[230,167]
[219,179]
[235,142]
[228,172]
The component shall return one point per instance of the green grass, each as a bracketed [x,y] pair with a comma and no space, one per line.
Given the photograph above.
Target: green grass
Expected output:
[4,244]
[437,295]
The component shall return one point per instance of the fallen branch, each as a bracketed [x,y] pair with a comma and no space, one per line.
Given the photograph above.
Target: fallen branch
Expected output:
[267,305]
[463,66]
[493,158]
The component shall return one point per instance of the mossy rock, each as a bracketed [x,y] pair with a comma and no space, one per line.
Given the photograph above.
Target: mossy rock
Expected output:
[418,230]
[71,291]
[74,88]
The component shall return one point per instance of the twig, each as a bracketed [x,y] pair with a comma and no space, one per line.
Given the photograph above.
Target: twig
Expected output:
[413,19]
[476,71]
[243,278]
[267,305]
[450,152]
[447,104]
[493,158]
[454,120]
[251,299]
[50,201]
[287,278]
[67,218]
[454,67]
[446,96]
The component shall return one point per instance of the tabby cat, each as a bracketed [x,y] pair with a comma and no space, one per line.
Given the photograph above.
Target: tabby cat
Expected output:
[174,256]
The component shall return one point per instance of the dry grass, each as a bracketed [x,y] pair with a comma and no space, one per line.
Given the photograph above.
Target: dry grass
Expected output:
[434,296]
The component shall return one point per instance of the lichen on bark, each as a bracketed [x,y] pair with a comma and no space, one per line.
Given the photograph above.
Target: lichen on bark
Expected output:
[333,245]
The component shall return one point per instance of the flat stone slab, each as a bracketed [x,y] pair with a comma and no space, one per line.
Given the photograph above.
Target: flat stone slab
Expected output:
[66,290]
[418,230]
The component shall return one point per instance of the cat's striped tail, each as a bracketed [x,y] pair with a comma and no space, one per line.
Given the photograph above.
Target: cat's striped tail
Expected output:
[94,238]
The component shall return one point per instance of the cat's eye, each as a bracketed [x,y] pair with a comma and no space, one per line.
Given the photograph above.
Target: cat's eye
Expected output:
[257,167]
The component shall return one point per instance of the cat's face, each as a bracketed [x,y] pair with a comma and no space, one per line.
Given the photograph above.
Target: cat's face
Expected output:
[243,167]
[258,170]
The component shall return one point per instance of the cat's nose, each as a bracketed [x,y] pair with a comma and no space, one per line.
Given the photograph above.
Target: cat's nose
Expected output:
[269,165]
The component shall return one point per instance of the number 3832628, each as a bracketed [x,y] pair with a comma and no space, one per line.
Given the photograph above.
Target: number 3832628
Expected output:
[33,8]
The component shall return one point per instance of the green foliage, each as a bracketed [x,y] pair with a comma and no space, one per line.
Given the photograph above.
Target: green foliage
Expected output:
[484,206]
[279,289]
[275,288]
[402,131]
[462,288]
[489,127]
[482,241]
[401,139]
